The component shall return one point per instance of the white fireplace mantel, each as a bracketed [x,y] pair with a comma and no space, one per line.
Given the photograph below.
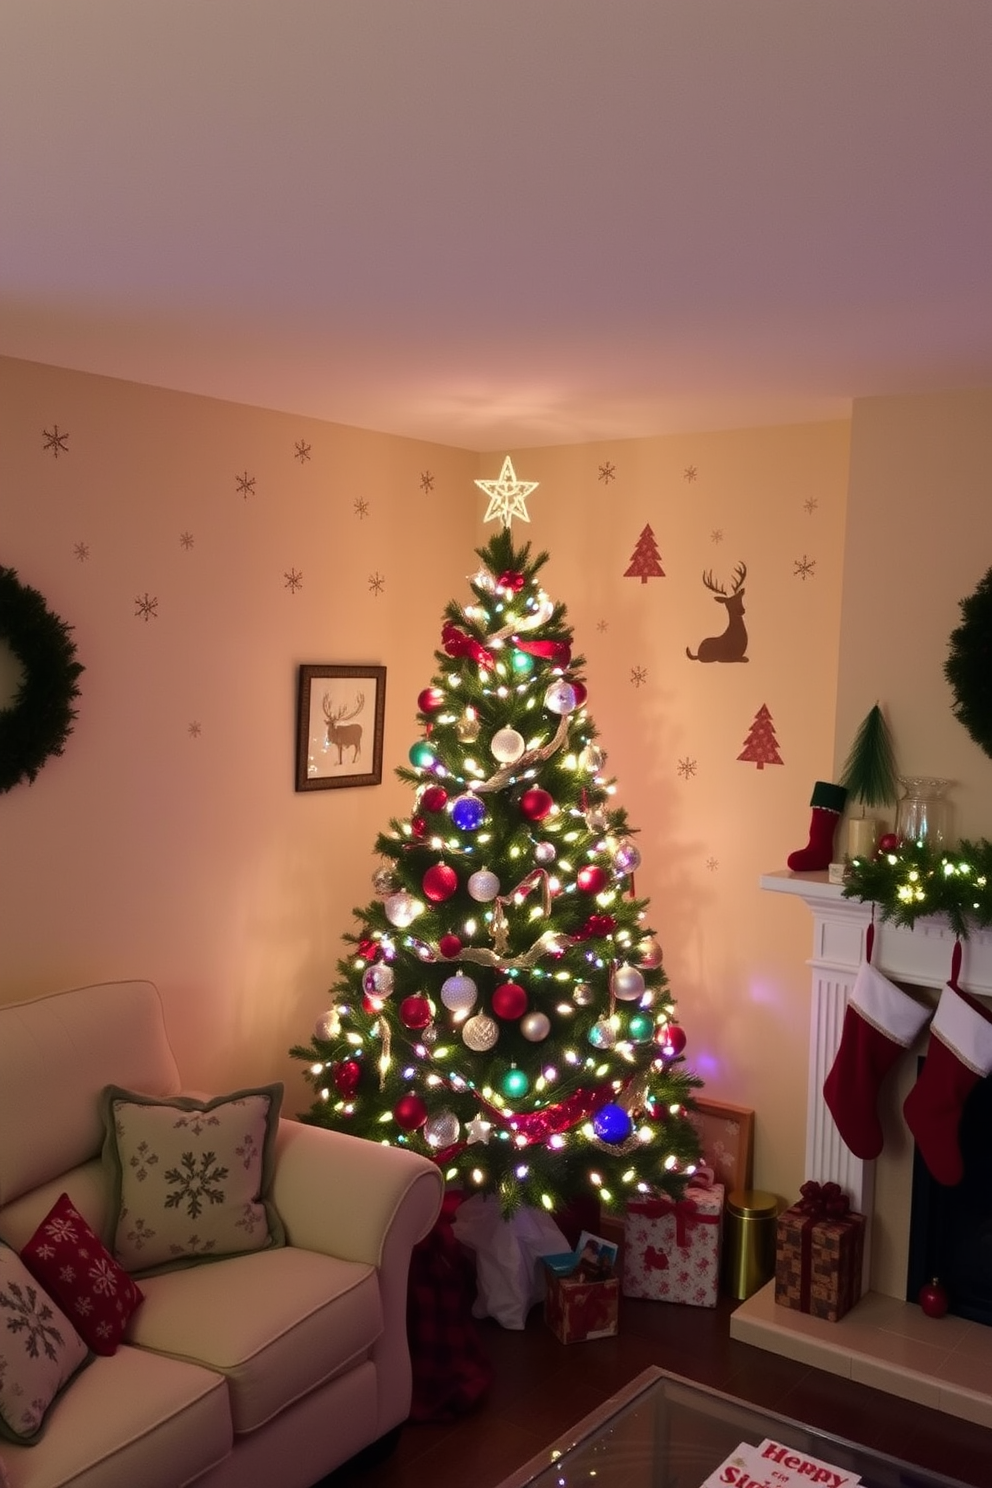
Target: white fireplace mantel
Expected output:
[919,957]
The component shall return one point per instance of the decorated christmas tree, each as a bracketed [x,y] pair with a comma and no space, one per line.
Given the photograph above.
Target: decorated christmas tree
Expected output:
[503,1007]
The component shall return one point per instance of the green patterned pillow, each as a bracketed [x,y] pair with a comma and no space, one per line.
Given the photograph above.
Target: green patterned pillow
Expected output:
[40,1351]
[191,1178]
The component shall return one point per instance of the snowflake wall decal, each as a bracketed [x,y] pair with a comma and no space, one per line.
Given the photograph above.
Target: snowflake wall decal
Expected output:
[302,451]
[195,729]
[638,676]
[294,580]
[690,473]
[186,540]
[146,608]
[687,768]
[803,568]
[716,536]
[376,583]
[810,505]
[55,441]
[426,481]
[602,625]
[712,864]
[82,551]
[245,485]
[607,473]
[361,507]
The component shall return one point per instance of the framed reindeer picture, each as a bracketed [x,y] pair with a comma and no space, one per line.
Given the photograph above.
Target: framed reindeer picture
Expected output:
[339,722]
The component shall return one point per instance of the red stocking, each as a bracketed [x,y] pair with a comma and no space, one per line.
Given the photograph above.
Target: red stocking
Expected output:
[960,1054]
[827,802]
[880,1021]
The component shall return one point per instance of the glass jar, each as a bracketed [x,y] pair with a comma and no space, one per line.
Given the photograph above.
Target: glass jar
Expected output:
[923,814]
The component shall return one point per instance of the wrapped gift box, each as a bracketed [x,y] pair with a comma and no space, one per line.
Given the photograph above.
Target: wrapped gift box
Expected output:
[672,1248]
[818,1254]
[576,1309]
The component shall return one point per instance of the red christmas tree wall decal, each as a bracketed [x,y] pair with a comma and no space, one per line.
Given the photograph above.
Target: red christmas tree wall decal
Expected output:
[761,746]
[645,562]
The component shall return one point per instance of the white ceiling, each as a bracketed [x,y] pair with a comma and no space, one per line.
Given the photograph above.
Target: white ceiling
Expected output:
[502,223]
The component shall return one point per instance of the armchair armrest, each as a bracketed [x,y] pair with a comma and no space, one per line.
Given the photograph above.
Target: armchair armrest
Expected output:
[345,1196]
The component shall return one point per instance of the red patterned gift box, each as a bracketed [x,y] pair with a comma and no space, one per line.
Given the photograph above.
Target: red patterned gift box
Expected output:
[576,1310]
[672,1248]
[818,1254]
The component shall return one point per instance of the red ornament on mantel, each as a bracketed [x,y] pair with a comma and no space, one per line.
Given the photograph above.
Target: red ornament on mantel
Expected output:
[933,1299]
[889,842]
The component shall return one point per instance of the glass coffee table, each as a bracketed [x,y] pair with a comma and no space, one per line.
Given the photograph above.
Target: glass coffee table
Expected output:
[661,1431]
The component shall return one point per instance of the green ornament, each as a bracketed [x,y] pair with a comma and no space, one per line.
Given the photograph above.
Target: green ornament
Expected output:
[514,1083]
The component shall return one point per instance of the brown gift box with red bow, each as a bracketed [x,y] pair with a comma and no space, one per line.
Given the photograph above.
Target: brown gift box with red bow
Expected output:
[819,1252]
[576,1309]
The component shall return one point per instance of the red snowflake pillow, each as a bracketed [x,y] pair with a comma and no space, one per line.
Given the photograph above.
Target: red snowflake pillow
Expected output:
[75,1267]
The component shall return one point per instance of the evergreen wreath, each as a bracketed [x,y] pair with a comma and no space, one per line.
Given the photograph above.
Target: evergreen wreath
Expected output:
[39,720]
[969,665]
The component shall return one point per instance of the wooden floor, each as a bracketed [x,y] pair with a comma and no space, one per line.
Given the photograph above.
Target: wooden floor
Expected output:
[541,1387]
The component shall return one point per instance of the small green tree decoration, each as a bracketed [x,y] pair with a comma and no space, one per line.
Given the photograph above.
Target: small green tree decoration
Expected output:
[870,771]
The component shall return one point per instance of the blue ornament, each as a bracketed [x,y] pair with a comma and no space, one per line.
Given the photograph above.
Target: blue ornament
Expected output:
[612,1123]
[468,812]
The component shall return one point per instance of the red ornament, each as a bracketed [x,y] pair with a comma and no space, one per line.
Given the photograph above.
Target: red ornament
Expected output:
[596,927]
[535,804]
[440,882]
[510,1001]
[431,700]
[581,693]
[435,798]
[591,879]
[450,946]
[671,1040]
[511,580]
[933,1299]
[418,826]
[415,1012]
[369,949]
[889,842]
[346,1077]
[410,1112]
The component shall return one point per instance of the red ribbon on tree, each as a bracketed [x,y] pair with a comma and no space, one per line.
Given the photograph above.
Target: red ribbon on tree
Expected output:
[538,1126]
[457,643]
[820,1203]
[560,652]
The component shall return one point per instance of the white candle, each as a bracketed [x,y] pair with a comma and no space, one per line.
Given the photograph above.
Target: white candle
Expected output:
[862,836]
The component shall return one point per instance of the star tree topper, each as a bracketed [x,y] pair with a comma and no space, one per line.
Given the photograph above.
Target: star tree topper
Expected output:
[507,496]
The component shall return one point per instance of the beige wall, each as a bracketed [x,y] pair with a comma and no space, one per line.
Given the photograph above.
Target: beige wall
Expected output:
[144,851]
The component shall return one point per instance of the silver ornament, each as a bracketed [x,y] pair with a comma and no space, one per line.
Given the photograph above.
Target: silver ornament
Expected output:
[328,1025]
[628,984]
[483,886]
[535,1027]
[402,909]
[627,858]
[441,1129]
[592,759]
[428,1036]
[560,697]
[602,1034]
[583,995]
[507,746]
[545,852]
[597,819]
[649,952]
[378,980]
[459,993]
[479,1033]
[383,881]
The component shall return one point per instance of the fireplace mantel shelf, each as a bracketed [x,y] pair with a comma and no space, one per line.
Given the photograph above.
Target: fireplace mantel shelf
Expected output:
[920,956]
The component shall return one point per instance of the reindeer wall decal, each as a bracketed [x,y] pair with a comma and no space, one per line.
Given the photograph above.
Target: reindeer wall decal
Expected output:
[349,737]
[732,644]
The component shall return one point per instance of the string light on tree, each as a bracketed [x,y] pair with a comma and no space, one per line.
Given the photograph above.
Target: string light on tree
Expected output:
[503,995]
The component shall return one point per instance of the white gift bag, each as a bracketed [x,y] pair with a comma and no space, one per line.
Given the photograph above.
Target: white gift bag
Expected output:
[509,1274]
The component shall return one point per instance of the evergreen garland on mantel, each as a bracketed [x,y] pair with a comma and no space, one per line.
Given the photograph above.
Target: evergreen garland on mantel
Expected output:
[917,880]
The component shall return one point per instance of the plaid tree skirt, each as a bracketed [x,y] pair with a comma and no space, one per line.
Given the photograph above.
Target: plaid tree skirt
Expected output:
[451,1371]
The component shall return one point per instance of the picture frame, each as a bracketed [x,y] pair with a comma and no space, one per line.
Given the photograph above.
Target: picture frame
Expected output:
[340,714]
[726,1136]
